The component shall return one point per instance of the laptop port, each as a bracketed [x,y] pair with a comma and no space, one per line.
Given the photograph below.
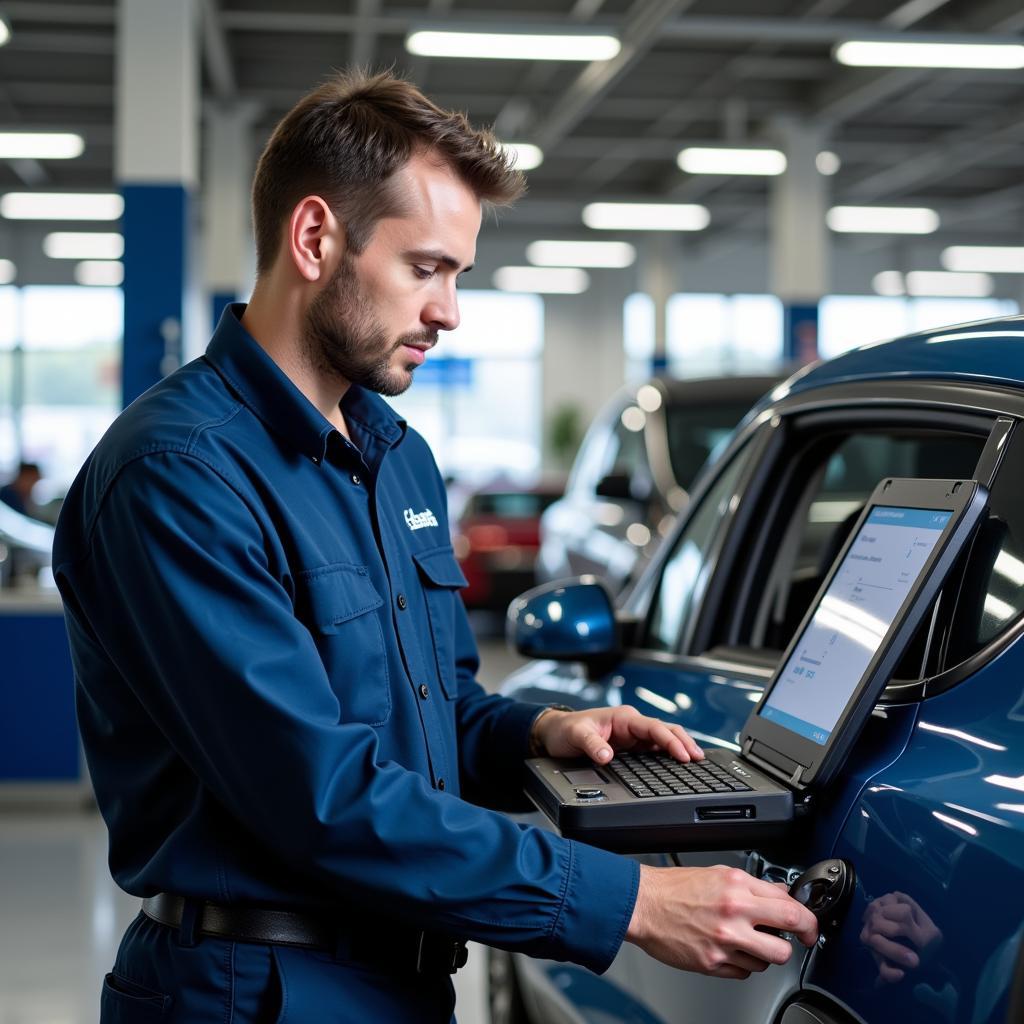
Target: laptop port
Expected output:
[725,813]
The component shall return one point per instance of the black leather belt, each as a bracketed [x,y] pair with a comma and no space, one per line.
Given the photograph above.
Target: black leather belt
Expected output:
[394,948]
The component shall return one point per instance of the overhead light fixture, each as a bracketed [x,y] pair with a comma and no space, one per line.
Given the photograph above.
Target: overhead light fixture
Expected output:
[722,160]
[876,54]
[525,156]
[991,259]
[109,273]
[40,145]
[8,271]
[5,30]
[889,283]
[947,283]
[646,216]
[61,206]
[513,45]
[547,280]
[581,254]
[883,220]
[827,162]
[83,245]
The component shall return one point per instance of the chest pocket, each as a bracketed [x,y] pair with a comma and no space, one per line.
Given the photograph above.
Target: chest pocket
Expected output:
[442,578]
[338,604]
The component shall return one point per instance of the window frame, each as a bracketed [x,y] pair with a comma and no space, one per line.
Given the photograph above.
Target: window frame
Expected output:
[989,411]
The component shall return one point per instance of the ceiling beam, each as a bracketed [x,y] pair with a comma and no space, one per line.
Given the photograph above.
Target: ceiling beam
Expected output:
[641,29]
[216,54]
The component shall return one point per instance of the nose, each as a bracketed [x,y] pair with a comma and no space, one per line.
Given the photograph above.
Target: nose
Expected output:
[442,310]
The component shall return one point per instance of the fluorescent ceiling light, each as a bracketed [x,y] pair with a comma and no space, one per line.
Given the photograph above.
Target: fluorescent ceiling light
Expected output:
[580,254]
[827,162]
[40,145]
[943,282]
[716,160]
[524,155]
[8,271]
[551,280]
[61,206]
[884,220]
[83,245]
[99,272]
[874,54]
[889,283]
[992,259]
[513,45]
[646,216]
[5,30]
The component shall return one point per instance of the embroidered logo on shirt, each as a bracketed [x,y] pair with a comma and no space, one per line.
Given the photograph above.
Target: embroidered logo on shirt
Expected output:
[419,520]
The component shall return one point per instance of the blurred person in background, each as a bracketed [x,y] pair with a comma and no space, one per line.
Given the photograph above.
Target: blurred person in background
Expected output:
[275,674]
[17,493]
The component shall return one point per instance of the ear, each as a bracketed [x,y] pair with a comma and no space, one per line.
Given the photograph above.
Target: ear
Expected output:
[315,239]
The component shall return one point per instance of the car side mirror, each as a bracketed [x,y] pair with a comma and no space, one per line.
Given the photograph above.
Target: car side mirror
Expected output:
[615,485]
[568,620]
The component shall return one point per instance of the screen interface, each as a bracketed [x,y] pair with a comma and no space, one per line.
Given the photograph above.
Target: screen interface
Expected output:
[851,620]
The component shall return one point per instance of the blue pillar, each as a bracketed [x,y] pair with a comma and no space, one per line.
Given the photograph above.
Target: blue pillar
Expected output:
[800,333]
[157,101]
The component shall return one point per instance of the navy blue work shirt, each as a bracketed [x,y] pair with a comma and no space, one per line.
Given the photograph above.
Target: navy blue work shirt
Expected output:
[276,678]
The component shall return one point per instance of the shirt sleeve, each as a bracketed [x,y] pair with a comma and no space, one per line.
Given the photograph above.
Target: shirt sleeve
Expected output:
[176,587]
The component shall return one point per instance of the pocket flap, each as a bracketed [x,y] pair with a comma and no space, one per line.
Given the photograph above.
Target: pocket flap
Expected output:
[440,567]
[333,594]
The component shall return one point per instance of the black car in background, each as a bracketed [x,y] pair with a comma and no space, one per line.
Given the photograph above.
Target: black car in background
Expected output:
[634,471]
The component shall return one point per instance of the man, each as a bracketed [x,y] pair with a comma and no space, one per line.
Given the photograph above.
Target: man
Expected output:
[17,492]
[275,674]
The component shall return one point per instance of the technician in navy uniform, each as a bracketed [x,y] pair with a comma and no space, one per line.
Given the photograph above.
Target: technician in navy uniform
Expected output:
[275,676]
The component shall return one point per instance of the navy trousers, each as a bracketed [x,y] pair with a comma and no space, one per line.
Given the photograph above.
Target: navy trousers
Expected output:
[157,979]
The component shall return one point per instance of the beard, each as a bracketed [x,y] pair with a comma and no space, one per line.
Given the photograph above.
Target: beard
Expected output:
[343,338]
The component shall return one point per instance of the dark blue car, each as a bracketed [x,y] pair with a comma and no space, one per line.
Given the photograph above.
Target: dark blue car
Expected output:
[930,807]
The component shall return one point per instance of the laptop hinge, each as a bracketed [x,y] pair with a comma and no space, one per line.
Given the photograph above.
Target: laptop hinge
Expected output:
[777,765]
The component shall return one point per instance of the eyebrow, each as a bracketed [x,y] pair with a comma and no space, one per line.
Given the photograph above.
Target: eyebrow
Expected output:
[439,257]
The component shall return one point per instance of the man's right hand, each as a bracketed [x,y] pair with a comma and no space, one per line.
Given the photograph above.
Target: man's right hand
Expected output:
[703,920]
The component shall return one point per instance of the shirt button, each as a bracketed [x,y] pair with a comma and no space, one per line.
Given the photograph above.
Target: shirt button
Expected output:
[401,602]
[314,460]
[440,784]
[424,691]
[356,478]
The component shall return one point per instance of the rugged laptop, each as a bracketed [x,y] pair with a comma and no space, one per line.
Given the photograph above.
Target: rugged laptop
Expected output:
[813,709]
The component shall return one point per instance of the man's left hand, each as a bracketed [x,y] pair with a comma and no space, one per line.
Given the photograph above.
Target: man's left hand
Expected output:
[599,732]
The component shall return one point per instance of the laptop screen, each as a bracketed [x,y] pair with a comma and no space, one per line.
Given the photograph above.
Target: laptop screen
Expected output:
[848,626]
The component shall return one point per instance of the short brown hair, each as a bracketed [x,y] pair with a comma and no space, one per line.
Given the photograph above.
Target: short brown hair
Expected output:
[344,142]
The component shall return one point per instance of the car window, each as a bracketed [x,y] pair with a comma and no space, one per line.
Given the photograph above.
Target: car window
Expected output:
[688,563]
[840,474]
[509,504]
[991,596]
[695,431]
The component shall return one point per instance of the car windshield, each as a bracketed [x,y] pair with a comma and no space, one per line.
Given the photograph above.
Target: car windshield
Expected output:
[695,431]
[510,504]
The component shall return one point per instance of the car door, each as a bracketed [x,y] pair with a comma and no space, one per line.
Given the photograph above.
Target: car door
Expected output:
[718,605]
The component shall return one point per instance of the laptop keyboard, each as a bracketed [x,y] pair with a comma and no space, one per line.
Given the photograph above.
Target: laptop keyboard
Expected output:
[654,774]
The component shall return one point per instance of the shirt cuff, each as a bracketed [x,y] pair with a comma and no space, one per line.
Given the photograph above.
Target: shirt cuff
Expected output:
[600,895]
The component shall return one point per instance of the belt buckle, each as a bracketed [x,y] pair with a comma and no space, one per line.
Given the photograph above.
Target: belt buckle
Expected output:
[447,957]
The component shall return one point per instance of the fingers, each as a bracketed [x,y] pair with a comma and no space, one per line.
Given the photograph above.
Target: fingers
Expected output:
[673,739]
[897,954]
[781,911]
[589,740]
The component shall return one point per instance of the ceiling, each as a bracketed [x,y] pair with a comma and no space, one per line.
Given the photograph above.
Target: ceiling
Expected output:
[690,71]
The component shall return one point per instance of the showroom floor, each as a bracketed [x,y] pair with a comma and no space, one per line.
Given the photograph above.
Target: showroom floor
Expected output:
[61,916]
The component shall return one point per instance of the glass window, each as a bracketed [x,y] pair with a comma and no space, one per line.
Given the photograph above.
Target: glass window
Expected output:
[841,473]
[710,335]
[991,598]
[477,398]
[686,568]
[695,431]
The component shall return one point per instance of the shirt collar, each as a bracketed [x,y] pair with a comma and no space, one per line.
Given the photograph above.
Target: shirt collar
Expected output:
[264,387]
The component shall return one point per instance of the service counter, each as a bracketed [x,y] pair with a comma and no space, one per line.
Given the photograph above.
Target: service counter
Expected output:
[40,755]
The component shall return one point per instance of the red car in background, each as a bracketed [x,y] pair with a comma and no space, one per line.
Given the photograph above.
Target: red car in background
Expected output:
[496,539]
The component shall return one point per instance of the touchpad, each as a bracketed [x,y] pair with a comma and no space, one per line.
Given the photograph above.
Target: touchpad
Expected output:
[584,777]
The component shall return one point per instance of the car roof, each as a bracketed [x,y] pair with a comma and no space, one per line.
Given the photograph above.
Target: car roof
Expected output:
[987,351]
